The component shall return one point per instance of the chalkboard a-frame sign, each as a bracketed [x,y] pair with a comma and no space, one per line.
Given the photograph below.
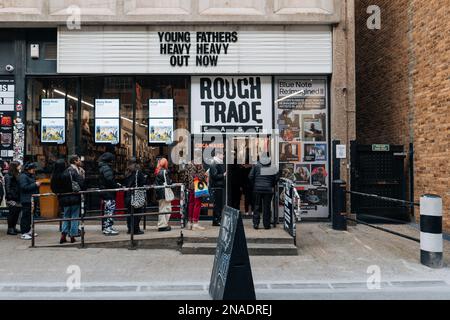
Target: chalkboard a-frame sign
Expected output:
[231,277]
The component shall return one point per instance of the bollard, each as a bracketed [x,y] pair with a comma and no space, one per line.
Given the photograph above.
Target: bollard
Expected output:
[338,218]
[431,239]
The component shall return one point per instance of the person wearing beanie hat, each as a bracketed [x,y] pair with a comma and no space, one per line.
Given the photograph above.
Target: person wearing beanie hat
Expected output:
[28,186]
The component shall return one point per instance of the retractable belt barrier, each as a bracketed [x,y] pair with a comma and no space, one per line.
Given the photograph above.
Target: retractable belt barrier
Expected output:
[83,211]
[431,236]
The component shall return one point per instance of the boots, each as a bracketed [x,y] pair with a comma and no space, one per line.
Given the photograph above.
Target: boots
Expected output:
[63,238]
[12,232]
[72,240]
[197,227]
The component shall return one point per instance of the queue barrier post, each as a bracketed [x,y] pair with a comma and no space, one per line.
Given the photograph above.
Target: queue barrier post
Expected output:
[82,213]
[339,214]
[431,238]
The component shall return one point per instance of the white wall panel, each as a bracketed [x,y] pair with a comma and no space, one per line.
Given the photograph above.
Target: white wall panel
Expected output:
[259,50]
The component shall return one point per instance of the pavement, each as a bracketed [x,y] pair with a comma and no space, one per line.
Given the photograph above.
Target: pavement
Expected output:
[361,263]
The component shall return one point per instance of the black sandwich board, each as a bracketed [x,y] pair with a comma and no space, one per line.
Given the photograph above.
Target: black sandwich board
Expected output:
[231,277]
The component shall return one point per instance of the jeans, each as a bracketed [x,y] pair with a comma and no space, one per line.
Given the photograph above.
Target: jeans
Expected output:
[263,202]
[71,227]
[25,221]
[110,208]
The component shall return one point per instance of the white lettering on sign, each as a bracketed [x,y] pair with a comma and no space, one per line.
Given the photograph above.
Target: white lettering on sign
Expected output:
[231,104]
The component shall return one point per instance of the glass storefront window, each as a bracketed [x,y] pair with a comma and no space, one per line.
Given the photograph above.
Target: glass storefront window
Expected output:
[48,88]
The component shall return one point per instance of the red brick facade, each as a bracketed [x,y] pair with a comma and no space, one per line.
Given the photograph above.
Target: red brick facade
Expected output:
[403,87]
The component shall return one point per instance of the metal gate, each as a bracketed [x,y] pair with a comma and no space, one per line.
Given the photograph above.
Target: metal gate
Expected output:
[378,169]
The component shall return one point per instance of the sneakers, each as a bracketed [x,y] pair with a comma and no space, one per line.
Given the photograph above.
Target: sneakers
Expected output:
[197,227]
[189,226]
[110,232]
[25,236]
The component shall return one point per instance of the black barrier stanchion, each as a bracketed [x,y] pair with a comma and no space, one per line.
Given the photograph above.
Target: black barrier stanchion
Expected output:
[32,223]
[82,212]
[339,219]
[431,238]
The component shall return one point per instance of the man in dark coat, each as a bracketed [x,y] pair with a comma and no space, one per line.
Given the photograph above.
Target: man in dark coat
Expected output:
[217,174]
[108,181]
[28,186]
[264,179]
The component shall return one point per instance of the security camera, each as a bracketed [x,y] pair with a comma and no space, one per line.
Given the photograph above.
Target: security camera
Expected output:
[9,68]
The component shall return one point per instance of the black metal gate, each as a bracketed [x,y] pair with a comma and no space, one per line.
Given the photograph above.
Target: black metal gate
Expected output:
[378,169]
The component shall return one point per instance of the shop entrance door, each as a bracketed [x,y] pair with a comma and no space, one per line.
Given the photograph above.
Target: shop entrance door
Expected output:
[242,153]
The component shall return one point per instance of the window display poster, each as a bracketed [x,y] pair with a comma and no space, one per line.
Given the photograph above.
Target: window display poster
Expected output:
[314,127]
[301,94]
[290,152]
[107,131]
[53,108]
[53,130]
[160,131]
[302,109]
[160,108]
[315,152]
[107,108]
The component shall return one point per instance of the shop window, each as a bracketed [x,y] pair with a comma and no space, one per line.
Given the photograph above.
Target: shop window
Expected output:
[45,154]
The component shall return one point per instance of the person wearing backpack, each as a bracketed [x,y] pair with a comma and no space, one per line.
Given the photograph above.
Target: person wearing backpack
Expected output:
[163,195]
[135,178]
[13,196]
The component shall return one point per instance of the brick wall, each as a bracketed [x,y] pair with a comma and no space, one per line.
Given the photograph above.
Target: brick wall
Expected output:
[403,87]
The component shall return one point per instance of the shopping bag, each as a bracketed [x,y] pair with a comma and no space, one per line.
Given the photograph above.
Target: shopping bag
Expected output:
[200,188]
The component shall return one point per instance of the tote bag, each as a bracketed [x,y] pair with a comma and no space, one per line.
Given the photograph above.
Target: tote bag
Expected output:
[200,188]
[168,193]
[139,196]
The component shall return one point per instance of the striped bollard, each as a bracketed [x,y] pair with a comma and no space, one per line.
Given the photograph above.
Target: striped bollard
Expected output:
[431,239]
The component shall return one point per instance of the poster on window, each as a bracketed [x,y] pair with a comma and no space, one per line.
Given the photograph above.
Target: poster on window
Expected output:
[301,114]
[301,94]
[107,108]
[107,131]
[231,105]
[53,130]
[53,108]
[160,108]
[160,131]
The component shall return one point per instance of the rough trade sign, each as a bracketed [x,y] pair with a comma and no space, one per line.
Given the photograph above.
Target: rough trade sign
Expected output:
[231,105]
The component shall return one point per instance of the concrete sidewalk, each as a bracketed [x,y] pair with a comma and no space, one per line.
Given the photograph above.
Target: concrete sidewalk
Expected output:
[329,261]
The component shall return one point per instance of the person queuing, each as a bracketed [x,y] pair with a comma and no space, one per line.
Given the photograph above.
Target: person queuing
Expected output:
[165,205]
[62,182]
[217,176]
[192,172]
[108,181]
[12,191]
[134,178]
[264,182]
[28,186]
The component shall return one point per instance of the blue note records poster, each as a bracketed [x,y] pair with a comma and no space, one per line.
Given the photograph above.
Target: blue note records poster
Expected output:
[7,90]
[302,120]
